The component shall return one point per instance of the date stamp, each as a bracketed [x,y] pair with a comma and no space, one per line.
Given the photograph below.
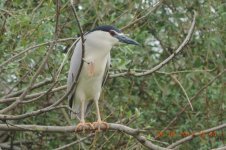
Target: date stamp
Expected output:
[186,134]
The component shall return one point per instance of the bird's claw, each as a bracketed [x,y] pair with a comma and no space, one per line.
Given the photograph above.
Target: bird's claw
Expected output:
[82,126]
[100,125]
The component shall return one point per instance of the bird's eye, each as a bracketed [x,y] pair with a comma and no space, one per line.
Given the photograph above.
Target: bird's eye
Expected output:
[112,32]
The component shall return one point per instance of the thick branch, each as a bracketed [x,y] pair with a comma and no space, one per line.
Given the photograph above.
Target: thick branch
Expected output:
[136,133]
[14,104]
[71,129]
[6,100]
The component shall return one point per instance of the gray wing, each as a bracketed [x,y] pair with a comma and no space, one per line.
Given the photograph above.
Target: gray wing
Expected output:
[74,71]
[106,69]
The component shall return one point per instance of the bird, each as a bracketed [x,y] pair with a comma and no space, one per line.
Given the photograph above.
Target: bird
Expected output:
[90,70]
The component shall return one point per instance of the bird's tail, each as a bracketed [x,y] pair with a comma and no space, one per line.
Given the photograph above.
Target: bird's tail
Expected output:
[76,110]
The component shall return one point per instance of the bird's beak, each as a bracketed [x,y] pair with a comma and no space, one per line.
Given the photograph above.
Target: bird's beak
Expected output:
[125,39]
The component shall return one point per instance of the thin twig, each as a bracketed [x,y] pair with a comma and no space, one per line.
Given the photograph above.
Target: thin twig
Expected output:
[75,142]
[6,11]
[40,111]
[164,62]
[188,138]
[27,50]
[195,96]
[14,104]
[147,14]
[82,38]
[185,93]
[35,95]
[11,97]
[37,85]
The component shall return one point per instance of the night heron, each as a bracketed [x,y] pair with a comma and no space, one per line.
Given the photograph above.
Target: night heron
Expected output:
[93,72]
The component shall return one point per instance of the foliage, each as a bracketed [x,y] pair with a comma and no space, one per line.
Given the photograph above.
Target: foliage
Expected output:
[151,101]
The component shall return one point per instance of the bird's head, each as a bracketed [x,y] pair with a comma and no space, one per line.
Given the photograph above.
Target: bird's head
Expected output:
[111,35]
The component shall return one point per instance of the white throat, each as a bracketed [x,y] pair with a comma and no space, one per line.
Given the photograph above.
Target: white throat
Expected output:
[98,45]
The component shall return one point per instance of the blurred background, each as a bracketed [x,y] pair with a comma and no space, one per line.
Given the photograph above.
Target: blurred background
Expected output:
[149,102]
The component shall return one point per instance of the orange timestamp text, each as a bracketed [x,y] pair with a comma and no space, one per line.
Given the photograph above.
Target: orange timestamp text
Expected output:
[186,134]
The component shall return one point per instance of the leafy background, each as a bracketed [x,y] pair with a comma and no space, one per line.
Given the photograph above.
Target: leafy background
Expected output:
[148,102]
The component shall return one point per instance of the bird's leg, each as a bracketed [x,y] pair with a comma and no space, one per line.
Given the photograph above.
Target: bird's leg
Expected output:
[82,126]
[99,124]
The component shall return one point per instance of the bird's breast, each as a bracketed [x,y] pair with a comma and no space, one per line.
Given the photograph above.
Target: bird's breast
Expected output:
[91,78]
[95,62]
[94,68]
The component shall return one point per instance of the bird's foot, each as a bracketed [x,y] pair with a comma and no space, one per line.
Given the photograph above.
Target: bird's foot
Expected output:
[100,125]
[83,126]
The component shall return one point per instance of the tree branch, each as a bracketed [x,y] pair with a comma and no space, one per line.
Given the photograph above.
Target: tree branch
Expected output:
[82,38]
[40,111]
[30,114]
[146,72]
[37,85]
[35,95]
[136,133]
[29,87]
[11,59]
[188,138]
[220,148]
[191,99]
[75,142]
[164,62]
[156,5]
[70,129]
